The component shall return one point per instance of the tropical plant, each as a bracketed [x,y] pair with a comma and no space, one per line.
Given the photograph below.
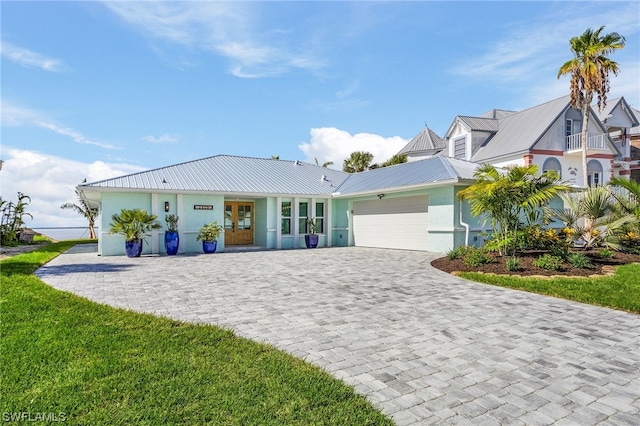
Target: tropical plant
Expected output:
[84,209]
[506,196]
[312,226]
[589,71]
[477,257]
[513,264]
[627,194]
[549,262]
[590,214]
[209,232]
[172,222]
[396,159]
[358,161]
[133,224]
[11,219]
[579,260]
[325,164]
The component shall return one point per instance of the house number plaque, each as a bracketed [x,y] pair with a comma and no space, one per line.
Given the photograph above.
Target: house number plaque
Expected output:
[203,207]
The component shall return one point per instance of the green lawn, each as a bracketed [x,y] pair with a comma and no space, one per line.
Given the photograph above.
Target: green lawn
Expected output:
[621,291]
[98,365]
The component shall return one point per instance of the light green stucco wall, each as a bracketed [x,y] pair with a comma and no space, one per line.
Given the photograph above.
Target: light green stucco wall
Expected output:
[340,218]
[113,203]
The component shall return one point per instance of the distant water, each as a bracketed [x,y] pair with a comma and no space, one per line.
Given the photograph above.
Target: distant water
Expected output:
[65,233]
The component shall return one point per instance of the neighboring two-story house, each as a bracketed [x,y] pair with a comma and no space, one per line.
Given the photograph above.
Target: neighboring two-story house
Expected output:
[547,135]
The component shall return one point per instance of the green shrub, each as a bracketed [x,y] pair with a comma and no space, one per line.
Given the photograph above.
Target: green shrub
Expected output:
[549,262]
[579,260]
[606,253]
[456,253]
[477,257]
[513,264]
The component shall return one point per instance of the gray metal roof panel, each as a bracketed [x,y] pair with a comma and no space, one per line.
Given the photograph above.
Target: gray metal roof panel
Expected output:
[520,131]
[427,141]
[480,123]
[430,170]
[232,174]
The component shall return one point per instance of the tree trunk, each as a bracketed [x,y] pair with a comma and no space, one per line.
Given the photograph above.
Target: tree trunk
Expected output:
[584,140]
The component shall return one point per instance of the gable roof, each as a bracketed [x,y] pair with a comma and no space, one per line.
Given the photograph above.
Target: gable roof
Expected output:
[612,104]
[480,124]
[231,174]
[417,173]
[425,142]
[520,131]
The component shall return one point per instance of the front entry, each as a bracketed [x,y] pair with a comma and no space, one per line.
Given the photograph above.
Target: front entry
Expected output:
[238,223]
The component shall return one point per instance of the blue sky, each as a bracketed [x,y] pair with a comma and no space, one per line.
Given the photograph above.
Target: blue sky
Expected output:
[99,89]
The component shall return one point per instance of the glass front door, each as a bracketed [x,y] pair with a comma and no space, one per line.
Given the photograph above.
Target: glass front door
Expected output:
[238,223]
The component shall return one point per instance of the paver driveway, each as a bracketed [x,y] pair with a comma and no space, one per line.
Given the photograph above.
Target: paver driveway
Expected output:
[426,347]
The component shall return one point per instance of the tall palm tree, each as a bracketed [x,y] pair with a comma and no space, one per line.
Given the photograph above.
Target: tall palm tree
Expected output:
[83,209]
[358,161]
[325,164]
[590,75]
[507,195]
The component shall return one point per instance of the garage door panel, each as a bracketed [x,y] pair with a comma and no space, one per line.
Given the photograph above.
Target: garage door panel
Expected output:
[399,223]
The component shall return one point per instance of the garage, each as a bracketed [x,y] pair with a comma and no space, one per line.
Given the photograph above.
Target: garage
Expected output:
[398,223]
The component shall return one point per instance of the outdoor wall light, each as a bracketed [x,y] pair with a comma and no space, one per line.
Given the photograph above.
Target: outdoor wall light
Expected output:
[166,206]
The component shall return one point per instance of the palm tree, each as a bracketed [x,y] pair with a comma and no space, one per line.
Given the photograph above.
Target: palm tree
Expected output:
[591,215]
[505,196]
[325,164]
[84,209]
[396,159]
[358,161]
[590,75]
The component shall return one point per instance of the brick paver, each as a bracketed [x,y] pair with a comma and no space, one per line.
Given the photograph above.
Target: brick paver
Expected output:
[424,346]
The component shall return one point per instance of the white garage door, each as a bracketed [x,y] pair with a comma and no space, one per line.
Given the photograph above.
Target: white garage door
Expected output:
[399,223]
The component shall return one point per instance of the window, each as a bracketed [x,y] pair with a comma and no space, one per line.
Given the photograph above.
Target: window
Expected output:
[594,173]
[460,148]
[286,217]
[572,127]
[552,164]
[303,215]
[320,218]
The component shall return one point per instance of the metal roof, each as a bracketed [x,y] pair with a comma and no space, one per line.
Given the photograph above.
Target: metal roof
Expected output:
[497,113]
[427,141]
[423,172]
[231,174]
[520,131]
[480,123]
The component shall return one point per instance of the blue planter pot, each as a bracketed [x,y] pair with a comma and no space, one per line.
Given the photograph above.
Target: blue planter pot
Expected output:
[133,248]
[209,246]
[311,240]
[171,242]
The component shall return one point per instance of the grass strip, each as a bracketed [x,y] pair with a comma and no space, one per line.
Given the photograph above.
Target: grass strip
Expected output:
[99,365]
[620,291]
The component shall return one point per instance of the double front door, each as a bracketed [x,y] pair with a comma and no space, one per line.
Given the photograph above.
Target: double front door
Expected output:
[238,223]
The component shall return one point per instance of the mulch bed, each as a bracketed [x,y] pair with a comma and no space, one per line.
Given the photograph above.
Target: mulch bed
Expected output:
[599,266]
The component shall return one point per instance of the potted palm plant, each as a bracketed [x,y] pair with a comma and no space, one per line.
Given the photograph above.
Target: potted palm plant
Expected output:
[209,234]
[171,236]
[133,224]
[311,239]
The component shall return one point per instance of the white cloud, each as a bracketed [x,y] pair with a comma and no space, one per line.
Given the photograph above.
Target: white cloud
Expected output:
[27,58]
[226,28]
[331,144]
[13,115]
[528,48]
[164,138]
[50,182]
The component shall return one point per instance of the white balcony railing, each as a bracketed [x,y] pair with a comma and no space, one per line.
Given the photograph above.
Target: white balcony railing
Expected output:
[594,142]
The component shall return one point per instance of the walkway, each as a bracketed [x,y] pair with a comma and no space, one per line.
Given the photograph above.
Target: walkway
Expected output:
[424,346]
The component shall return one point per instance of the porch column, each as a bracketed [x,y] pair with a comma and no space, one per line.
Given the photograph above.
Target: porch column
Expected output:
[328,224]
[154,233]
[278,222]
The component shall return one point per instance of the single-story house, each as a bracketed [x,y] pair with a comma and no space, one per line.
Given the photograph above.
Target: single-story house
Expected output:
[267,202]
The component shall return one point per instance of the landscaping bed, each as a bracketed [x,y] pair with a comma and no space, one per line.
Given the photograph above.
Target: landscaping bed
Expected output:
[599,265]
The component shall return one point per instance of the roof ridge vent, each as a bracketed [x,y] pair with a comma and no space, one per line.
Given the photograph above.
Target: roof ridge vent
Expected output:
[323,178]
[296,163]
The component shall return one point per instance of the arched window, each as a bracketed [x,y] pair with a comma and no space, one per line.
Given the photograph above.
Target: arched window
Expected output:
[552,164]
[594,173]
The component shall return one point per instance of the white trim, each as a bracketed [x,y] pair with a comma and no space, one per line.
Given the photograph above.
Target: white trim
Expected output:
[278,222]
[180,213]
